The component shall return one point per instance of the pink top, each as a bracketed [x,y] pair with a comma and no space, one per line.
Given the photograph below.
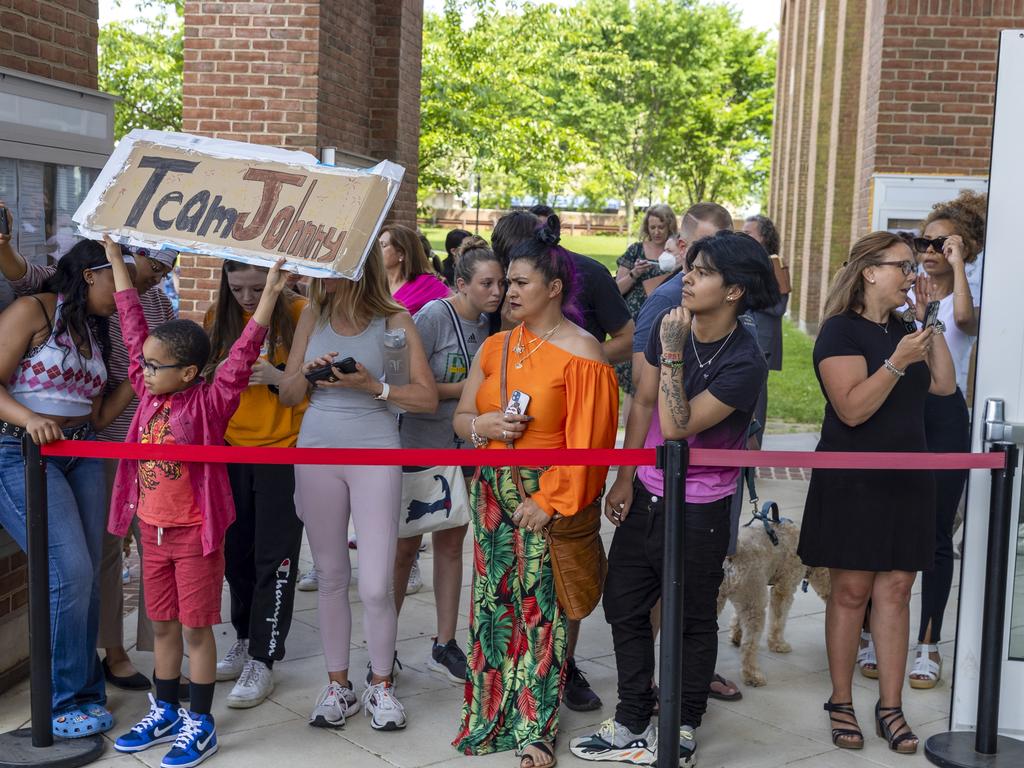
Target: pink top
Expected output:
[420,291]
[199,416]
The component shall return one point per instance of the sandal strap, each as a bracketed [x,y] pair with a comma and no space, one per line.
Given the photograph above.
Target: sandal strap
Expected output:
[845,709]
[888,716]
[926,666]
[866,654]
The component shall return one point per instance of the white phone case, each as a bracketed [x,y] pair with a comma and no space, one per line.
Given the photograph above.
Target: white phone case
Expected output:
[517,403]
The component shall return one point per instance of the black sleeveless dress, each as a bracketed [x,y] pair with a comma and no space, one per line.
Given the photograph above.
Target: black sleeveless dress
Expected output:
[871,520]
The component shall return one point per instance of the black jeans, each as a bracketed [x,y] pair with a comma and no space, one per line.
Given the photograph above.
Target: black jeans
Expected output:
[261,554]
[633,587]
[948,430]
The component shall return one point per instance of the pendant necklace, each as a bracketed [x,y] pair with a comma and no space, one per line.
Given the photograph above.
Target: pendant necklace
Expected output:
[884,326]
[519,348]
[711,359]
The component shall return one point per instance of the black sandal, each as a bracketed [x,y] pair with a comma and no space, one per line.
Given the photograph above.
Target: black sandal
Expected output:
[543,746]
[899,738]
[848,737]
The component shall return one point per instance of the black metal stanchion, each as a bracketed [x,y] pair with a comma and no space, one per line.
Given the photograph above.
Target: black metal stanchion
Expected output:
[36,746]
[673,458]
[985,748]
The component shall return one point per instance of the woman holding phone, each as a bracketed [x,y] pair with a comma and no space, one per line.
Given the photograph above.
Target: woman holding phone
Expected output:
[566,397]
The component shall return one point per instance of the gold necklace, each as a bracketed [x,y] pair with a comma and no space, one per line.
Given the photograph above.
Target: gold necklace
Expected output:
[519,348]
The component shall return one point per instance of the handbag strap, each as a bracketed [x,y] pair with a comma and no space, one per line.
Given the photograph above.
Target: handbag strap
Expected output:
[503,389]
[459,335]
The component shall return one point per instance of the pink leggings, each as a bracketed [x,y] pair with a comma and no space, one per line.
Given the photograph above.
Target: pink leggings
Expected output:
[324,498]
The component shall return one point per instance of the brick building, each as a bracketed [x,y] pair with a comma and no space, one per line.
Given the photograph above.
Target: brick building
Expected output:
[304,74]
[873,92]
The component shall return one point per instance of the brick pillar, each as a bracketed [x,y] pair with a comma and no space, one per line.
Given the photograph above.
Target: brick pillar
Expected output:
[304,74]
[56,40]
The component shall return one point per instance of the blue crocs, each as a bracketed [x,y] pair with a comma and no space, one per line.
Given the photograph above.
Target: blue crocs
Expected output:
[161,725]
[89,720]
[196,742]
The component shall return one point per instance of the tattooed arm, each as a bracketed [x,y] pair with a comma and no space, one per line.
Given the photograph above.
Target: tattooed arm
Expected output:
[678,416]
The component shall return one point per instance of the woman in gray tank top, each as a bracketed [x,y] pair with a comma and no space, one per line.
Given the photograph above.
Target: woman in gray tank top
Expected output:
[348,318]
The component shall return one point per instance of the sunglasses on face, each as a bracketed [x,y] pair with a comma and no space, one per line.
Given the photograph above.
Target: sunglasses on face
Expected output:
[151,368]
[921,244]
[906,267]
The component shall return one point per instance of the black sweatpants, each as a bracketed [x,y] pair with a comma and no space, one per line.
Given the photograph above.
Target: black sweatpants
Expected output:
[261,554]
[633,587]
[948,430]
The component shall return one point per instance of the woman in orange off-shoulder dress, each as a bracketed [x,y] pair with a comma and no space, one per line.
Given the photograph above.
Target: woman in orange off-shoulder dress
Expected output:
[517,636]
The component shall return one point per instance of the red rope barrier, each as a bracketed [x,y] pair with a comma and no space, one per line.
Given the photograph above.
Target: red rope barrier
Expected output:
[525,457]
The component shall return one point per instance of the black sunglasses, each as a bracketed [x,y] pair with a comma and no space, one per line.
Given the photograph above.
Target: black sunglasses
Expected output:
[921,244]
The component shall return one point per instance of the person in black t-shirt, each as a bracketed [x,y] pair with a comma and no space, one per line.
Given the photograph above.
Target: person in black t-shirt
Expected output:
[699,381]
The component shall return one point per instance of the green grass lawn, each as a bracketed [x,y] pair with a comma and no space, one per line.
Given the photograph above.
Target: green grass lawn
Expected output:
[604,248]
[793,393]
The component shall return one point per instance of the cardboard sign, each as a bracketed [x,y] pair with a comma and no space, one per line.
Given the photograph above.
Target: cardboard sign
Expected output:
[239,201]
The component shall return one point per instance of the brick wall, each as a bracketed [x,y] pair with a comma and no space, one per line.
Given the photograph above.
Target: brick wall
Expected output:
[891,86]
[303,74]
[13,583]
[56,40]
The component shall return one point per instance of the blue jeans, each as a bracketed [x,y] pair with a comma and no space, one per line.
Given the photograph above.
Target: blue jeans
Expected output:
[77,509]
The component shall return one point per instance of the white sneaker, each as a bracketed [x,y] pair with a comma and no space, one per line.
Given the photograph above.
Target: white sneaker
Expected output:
[386,712]
[230,667]
[308,582]
[415,583]
[335,703]
[254,685]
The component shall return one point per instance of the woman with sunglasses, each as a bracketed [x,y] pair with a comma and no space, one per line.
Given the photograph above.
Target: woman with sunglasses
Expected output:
[952,238]
[874,529]
[150,268]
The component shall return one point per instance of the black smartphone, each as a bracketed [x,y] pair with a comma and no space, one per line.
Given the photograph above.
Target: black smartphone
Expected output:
[5,222]
[931,314]
[326,372]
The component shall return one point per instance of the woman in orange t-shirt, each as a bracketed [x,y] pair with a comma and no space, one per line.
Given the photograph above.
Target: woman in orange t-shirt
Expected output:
[261,548]
[517,637]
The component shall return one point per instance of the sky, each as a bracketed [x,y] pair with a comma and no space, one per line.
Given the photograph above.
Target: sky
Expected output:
[762,14]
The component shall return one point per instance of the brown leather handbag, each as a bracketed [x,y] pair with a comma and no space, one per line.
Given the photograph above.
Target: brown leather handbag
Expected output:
[578,561]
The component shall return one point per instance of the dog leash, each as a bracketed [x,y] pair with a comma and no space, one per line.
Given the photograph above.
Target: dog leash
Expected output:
[767,513]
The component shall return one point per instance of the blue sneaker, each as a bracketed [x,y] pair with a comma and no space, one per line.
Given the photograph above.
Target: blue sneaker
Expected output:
[160,726]
[196,742]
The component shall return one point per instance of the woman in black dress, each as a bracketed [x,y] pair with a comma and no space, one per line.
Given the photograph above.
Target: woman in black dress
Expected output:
[874,529]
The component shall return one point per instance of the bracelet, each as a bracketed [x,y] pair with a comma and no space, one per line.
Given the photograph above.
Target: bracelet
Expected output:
[478,440]
[893,369]
[384,392]
[667,361]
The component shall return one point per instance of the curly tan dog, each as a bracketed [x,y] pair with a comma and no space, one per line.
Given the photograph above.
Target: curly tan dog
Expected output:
[757,565]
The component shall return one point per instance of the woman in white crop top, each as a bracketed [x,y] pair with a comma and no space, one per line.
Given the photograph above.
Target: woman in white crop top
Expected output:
[53,375]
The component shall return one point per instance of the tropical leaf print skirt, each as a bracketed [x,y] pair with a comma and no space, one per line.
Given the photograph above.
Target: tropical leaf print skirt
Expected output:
[517,632]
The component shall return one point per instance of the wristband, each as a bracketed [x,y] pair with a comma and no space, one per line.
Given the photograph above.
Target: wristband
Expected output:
[667,361]
[384,392]
[893,369]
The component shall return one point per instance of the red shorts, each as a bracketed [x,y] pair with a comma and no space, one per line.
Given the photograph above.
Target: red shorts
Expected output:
[181,584]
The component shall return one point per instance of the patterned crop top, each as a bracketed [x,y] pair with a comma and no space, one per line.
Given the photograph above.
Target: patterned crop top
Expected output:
[55,379]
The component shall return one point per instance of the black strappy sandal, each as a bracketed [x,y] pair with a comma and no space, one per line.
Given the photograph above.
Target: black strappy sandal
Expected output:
[845,738]
[901,739]
[543,746]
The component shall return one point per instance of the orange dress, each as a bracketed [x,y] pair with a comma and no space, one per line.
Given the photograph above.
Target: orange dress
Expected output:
[574,403]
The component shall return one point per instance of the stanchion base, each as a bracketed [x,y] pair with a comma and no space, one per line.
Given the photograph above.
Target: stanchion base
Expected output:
[956,750]
[16,750]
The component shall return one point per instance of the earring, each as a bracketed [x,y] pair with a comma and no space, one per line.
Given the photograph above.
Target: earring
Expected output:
[871,281]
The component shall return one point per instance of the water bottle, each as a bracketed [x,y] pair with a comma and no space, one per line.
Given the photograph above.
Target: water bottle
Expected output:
[396,358]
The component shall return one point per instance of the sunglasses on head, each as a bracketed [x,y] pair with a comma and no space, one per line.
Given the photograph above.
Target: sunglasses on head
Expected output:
[921,244]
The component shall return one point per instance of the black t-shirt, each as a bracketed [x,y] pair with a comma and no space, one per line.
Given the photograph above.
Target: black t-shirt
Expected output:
[735,374]
[898,425]
[604,309]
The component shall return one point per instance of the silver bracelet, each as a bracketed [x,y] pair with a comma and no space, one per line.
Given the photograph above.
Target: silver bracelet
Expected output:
[478,440]
[893,369]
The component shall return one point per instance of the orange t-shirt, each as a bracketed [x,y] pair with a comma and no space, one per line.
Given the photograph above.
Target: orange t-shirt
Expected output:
[166,499]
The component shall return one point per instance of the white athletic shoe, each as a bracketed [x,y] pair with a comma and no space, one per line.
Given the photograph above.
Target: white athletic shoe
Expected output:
[415,583]
[308,582]
[254,685]
[386,713]
[230,667]
[335,703]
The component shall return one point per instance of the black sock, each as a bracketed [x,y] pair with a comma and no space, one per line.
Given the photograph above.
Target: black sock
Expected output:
[269,663]
[201,697]
[167,690]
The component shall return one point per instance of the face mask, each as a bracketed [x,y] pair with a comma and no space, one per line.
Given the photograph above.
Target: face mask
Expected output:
[667,262]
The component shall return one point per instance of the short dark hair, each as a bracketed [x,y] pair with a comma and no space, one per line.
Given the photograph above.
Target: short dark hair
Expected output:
[542,211]
[454,239]
[512,229]
[769,233]
[742,261]
[186,341]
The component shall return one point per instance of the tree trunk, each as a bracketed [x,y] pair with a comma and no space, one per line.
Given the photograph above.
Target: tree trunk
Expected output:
[629,213]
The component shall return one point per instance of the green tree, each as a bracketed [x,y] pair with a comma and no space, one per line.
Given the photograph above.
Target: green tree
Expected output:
[141,62]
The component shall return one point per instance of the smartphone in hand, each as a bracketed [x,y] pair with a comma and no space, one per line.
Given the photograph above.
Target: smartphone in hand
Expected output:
[5,222]
[931,314]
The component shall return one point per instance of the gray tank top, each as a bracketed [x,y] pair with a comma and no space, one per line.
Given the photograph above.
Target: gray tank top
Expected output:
[347,418]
